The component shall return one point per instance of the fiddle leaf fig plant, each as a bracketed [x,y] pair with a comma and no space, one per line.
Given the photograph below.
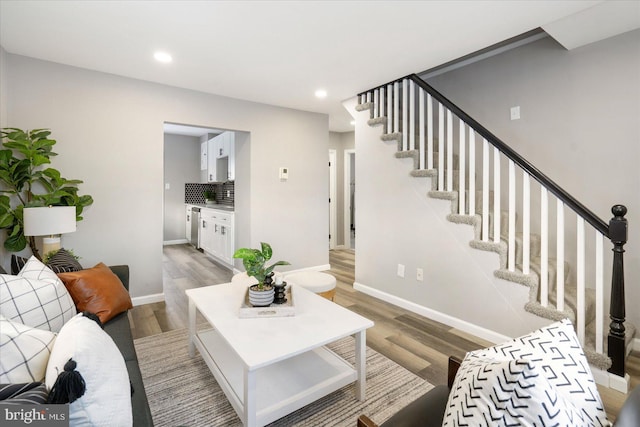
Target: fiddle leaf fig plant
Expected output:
[254,261]
[26,183]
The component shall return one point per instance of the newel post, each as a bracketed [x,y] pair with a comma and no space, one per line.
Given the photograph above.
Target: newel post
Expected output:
[616,340]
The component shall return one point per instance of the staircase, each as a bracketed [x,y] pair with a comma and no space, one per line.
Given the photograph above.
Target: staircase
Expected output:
[490,188]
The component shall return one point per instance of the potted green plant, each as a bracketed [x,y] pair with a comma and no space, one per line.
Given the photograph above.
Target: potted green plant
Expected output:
[209,197]
[24,183]
[254,261]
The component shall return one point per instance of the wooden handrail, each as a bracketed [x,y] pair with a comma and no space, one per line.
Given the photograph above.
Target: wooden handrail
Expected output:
[615,230]
[510,153]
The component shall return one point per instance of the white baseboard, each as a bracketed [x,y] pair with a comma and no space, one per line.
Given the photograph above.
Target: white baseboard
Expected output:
[609,380]
[174,242]
[147,299]
[454,322]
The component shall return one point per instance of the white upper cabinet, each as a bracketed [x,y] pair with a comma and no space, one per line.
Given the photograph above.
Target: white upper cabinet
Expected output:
[211,160]
[217,157]
[223,142]
[203,156]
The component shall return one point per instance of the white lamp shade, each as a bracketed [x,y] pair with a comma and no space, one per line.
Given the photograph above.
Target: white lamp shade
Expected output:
[47,221]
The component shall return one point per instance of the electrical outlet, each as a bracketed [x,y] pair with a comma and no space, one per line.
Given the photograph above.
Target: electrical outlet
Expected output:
[400,270]
[419,275]
[228,193]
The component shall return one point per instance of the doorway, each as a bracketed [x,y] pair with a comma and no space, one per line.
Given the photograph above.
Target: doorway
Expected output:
[350,199]
[333,216]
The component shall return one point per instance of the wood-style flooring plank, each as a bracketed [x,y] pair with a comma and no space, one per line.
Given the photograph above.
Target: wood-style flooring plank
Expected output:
[421,345]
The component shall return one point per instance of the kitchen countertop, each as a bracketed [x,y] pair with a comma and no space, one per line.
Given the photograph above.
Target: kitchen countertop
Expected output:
[219,207]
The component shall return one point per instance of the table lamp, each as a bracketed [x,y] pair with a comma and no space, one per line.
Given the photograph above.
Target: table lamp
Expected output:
[49,221]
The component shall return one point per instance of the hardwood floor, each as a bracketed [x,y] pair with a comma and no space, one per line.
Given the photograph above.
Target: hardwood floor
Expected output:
[421,345]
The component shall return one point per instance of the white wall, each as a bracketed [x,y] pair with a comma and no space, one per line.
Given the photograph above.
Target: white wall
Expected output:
[398,224]
[181,165]
[3,87]
[580,123]
[110,134]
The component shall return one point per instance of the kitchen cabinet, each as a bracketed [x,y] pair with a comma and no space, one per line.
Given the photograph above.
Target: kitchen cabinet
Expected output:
[220,158]
[203,156]
[216,234]
[187,229]
[231,158]
[223,142]
[211,160]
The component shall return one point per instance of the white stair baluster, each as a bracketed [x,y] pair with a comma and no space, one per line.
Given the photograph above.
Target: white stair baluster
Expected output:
[421,116]
[544,247]
[396,107]
[496,195]
[560,255]
[440,147]
[511,250]
[376,103]
[599,293]
[390,114]
[429,132]
[462,160]
[449,151]
[472,171]
[381,102]
[412,115]
[485,190]
[369,96]
[526,223]
[405,114]
[580,305]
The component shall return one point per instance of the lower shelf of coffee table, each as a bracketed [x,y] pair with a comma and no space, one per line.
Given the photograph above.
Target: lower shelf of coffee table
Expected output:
[280,388]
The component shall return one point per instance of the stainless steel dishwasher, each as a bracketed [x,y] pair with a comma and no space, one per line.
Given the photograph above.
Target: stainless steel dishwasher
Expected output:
[195,226]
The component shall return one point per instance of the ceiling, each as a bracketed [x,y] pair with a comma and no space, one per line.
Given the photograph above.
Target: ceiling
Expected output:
[281,52]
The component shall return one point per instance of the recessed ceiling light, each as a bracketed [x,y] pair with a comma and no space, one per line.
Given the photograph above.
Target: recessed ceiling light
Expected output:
[321,93]
[163,57]
[352,123]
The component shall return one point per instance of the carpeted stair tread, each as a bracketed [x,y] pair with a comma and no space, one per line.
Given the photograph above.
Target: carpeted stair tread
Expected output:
[377,121]
[501,248]
[418,173]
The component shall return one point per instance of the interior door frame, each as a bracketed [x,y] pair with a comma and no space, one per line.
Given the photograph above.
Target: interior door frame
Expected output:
[333,213]
[347,196]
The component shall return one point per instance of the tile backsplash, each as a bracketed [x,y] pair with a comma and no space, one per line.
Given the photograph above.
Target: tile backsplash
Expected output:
[194,193]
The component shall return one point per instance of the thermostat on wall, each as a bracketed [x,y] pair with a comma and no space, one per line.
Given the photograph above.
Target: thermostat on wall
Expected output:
[284,174]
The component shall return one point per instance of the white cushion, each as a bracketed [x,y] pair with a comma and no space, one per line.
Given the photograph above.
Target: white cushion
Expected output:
[507,393]
[25,352]
[314,281]
[36,297]
[556,351]
[107,399]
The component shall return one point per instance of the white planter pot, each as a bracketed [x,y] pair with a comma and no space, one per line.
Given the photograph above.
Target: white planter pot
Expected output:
[262,298]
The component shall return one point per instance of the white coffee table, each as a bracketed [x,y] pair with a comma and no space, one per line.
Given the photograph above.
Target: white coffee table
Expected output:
[270,367]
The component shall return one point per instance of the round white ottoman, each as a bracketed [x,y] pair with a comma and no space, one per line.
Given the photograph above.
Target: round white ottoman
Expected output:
[243,279]
[322,284]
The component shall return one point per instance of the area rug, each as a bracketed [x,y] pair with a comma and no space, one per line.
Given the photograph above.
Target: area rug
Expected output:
[183,392]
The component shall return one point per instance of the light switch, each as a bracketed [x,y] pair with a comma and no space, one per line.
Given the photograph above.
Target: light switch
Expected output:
[515,112]
[167,186]
[284,174]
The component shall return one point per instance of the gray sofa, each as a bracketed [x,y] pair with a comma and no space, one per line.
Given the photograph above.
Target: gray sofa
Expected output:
[119,330]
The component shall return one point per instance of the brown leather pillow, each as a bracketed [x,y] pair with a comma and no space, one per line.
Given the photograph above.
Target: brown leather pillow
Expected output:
[97,290]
